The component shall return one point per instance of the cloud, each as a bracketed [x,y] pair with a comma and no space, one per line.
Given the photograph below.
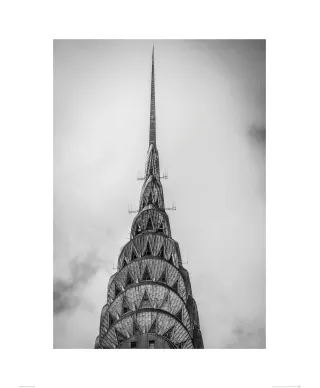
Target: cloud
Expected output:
[258,134]
[66,292]
[247,335]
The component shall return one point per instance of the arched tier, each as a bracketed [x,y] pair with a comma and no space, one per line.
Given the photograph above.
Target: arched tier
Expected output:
[140,296]
[151,219]
[147,270]
[150,244]
[155,321]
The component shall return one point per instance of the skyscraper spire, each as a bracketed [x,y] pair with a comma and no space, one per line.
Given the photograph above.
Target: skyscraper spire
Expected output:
[152,132]
[149,302]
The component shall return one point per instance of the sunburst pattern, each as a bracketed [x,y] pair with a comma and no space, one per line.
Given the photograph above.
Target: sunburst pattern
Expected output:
[159,220]
[156,241]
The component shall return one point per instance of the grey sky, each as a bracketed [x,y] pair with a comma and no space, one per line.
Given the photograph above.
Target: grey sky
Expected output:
[210,106]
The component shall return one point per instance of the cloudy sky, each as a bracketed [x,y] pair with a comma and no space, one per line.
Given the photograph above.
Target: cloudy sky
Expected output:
[210,105]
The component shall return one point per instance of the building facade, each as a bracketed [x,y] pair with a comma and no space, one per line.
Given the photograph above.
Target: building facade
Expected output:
[149,300]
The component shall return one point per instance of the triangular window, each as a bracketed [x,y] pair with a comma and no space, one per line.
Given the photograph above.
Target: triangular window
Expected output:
[160,229]
[145,302]
[133,254]
[168,333]
[156,203]
[163,277]
[175,286]
[120,337]
[129,279]
[161,252]
[148,252]
[179,315]
[111,320]
[117,290]
[153,328]
[149,225]
[125,306]
[146,274]
[136,329]
[124,263]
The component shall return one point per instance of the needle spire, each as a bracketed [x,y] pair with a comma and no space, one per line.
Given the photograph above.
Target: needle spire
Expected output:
[152,132]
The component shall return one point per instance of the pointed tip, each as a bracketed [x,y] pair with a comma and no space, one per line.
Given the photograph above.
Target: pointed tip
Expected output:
[152,132]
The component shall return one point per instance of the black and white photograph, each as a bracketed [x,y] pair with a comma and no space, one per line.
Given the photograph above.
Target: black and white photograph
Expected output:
[159,194]
[144,206]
